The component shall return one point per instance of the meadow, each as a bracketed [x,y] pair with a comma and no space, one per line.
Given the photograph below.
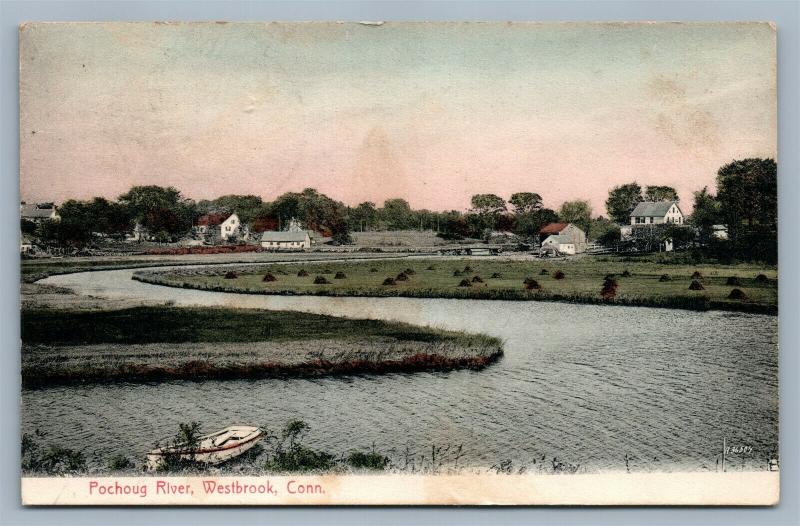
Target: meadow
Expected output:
[636,282]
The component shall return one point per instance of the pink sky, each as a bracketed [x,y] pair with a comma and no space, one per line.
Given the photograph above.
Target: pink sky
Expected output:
[432,113]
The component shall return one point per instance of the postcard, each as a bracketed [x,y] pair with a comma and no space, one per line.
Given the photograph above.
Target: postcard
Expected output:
[368,263]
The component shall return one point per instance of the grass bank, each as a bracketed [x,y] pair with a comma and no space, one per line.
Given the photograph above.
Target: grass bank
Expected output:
[156,343]
[638,283]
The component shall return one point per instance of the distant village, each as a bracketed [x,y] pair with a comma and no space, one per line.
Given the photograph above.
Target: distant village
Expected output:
[740,221]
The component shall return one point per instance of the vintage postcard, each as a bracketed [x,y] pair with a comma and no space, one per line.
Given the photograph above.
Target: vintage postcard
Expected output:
[399,263]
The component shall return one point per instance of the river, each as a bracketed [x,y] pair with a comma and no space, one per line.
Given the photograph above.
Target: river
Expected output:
[591,385]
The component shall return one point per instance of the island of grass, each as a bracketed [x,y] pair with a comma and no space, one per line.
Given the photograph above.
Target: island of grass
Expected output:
[652,283]
[157,343]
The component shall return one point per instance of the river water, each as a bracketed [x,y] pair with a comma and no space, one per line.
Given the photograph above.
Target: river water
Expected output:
[590,385]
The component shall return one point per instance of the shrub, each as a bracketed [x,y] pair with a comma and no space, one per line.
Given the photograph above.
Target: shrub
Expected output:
[119,462]
[477,279]
[456,273]
[389,281]
[401,277]
[733,280]
[321,280]
[370,460]
[465,283]
[544,272]
[302,273]
[626,274]
[559,275]
[531,284]
[340,275]
[737,294]
[761,278]
[697,275]
[231,275]
[269,277]
[296,457]
[665,277]
[696,285]
[53,460]
[609,290]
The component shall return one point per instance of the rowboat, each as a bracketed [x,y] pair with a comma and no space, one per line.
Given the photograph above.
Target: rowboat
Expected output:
[212,449]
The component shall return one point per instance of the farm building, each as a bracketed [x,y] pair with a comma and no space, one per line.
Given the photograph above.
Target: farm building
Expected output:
[285,240]
[38,212]
[564,237]
[658,213]
[219,226]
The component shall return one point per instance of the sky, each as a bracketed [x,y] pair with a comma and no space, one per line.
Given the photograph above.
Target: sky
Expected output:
[429,112]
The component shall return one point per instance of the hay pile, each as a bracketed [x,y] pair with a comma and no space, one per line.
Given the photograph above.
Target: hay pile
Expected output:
[626,274]
[495,275]
[465,283]
[665,277]
[733,280]
[402,277]
[761,278]
[477,279]
[697,275]
[696,285]
[389,281]
[340,275]
[321,280]
[737,294]
[409,271]
[544,272]
[467,269]
[559,275]
[456,273]
[302,273]
[609,290]
[269,277]
[231,275]
[531,284]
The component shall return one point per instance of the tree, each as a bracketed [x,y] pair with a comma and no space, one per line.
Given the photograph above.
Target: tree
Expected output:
[528,225]
[705,215]
[599,227]
[362,216]
[622,200]
[396,214]
[488,204]
[660,193]
[162,211]
[578,212]
[747,192]
[246,207]
[525,202]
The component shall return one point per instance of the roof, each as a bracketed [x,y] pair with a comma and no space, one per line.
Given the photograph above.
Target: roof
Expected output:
[561,240]
[553,228]
[283,236]
[211,219]
[652,209]
[35,212]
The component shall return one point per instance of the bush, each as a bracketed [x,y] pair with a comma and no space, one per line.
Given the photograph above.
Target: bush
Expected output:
[465,283]
[269,277]
[231,275]
[321,280]
[544,272]
[559,275]
[294,456]
[389,281]
[733,280]
[737,294]
[302,273]
[696,285]
[340,275]
[370,460]
[609,290]
[664,277]
[119,462]
[54,460]
[477,279]
[401,277]
[531,284]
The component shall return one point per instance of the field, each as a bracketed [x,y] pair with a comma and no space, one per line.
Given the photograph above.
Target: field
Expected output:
[153,343]
[639,283]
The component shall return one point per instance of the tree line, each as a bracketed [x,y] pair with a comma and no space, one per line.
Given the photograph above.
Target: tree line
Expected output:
[746,201]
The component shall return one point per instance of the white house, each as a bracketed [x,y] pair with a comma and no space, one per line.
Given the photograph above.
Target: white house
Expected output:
[657,213]
[219,226]
[285,240]
[564,237]
[230,227]
[38,213]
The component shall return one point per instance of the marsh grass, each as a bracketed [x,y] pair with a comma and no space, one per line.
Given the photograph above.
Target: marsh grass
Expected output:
[644,287]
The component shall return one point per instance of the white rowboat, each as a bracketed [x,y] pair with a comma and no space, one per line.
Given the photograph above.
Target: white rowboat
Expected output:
[212,449]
